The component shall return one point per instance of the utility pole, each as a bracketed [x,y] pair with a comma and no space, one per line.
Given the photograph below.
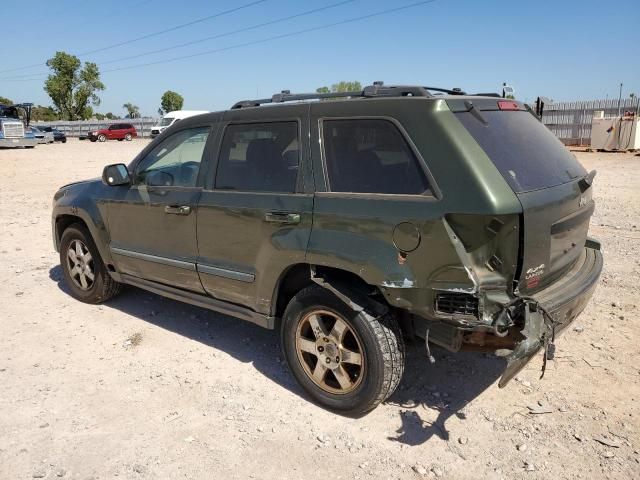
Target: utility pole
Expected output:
[619,98]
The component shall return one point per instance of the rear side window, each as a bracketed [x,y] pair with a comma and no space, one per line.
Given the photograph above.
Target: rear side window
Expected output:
[526,153]
[259,157]
[370,156]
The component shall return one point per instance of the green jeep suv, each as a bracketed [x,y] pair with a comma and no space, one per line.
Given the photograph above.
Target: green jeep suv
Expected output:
[349,221]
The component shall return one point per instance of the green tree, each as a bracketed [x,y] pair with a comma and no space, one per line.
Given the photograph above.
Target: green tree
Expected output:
[171,101]
[132,110]
[72,86]
[45,114]
[87,113]
[111,116]
[5,100]
[99,116]
[341,87]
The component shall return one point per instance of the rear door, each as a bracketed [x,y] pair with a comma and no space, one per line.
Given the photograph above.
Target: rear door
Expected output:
[552,186]
[255,214]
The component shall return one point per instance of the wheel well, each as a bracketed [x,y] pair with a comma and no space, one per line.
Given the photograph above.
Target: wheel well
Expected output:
[65,221]
[298,277]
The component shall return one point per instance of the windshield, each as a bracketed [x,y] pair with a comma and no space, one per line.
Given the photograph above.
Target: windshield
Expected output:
[166,121]
[526,153]
[8,111]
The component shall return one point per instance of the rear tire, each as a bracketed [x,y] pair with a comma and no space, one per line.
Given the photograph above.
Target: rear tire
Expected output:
[128,137]
[345,360]
[84,272]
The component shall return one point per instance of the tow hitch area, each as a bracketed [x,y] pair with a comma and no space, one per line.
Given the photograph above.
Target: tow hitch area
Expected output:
[538,332]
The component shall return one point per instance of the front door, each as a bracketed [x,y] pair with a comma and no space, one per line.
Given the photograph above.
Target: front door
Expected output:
[254,216]
[112,131]
[153,222]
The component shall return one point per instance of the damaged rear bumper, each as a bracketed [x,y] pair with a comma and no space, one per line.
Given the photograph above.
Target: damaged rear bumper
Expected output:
[561,304]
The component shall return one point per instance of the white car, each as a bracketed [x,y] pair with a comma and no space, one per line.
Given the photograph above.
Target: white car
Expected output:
[172,117]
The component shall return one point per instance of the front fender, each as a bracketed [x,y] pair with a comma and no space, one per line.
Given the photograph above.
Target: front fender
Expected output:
[80,201]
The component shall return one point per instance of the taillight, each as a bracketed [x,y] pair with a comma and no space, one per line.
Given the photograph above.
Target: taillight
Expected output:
[508,105]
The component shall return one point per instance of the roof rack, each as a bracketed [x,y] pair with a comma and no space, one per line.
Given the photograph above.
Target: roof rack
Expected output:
[378,89]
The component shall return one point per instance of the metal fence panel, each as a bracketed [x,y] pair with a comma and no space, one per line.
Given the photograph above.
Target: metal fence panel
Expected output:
[571,121]
[75,128]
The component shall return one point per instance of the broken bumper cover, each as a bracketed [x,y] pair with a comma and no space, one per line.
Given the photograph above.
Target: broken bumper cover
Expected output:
[563,301]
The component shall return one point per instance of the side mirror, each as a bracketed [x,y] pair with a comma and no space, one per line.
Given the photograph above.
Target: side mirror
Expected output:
[116,174]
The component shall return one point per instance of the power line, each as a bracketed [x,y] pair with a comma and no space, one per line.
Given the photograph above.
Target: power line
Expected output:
[270,39]
[154,34]
[37,76]
[226,34]
[177,27]
[276,37]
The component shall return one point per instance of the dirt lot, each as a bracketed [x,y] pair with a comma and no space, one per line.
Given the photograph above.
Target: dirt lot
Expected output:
[145,387]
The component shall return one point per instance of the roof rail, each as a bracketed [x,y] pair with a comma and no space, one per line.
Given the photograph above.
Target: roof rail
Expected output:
[378,89]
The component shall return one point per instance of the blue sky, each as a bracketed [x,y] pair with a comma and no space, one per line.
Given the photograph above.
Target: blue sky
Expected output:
[565,50]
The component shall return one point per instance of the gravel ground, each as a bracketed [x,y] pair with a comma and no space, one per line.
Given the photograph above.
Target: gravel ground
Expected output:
[146,387]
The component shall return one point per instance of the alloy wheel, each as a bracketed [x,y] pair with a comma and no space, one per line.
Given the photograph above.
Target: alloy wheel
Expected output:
[330,352]
[80,264]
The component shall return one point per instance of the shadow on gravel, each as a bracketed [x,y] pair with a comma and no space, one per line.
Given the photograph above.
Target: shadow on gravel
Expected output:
[445,387]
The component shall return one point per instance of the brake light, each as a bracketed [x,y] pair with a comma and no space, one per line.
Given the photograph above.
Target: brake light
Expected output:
[508,105]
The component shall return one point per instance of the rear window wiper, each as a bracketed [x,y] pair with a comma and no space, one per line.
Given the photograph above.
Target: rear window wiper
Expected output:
[473,110]
[586,181]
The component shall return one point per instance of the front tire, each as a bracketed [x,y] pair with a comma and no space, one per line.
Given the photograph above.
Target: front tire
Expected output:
[102,138]
[84,273]
[345,360]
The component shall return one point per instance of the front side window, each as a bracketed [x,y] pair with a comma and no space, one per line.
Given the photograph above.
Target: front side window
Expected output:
[175,161]
[260,157]
[371,156]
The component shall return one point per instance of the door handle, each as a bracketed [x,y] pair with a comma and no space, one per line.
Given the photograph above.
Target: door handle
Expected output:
[177,209]
[282,217]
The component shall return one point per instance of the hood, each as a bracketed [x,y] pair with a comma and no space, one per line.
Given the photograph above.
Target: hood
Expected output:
[81,182]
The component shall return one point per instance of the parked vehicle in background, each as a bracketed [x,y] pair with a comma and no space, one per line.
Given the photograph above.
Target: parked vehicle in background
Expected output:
[117,131]
[58,136]
[352,224]
[14,132]
[172,117]
[41,135]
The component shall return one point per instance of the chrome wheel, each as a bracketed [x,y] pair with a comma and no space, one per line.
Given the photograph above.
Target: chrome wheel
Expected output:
[330,352]
[80,265]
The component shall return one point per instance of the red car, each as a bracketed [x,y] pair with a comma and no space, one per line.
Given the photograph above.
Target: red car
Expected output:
[117,131]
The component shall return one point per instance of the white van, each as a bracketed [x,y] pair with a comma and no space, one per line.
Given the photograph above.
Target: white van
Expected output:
[171,118]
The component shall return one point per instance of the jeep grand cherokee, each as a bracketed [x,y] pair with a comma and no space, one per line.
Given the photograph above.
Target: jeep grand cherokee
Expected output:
[349,224]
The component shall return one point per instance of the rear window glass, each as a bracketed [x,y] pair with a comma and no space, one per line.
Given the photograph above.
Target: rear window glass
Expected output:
[371,156]
[525,152]
[259,157]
